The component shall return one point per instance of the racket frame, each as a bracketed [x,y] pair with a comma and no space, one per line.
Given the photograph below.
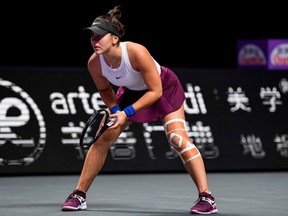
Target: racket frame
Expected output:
[106,124]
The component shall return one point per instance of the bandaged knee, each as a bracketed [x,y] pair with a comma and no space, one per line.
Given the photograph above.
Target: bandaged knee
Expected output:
[184,147]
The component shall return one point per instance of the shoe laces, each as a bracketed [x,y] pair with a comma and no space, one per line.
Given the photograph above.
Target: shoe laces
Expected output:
[77,197]
[203,198]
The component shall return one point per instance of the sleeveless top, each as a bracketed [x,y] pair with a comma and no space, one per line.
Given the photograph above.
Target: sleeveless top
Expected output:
[124,75]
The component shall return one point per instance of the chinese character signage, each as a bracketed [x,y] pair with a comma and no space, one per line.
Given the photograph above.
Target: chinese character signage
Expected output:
[237,119]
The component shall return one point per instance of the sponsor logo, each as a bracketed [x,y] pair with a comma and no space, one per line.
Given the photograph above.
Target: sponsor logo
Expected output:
[251,54]
[279,55]
[22,126]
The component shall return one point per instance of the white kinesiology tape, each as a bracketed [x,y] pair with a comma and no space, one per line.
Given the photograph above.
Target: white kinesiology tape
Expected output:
[185,149]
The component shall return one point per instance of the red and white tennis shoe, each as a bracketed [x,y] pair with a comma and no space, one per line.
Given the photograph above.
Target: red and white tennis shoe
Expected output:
[205,204]
[75,201]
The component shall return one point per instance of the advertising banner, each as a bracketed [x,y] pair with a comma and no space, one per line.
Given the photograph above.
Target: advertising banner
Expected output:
[271,54]
[252,54]
[237,119]
[278,54]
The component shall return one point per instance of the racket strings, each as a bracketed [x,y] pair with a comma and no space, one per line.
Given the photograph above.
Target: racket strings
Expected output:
[93,128]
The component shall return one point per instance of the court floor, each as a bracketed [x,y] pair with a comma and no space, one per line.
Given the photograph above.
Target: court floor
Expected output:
[253,193]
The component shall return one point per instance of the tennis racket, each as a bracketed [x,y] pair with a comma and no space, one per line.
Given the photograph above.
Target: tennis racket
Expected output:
[97,123]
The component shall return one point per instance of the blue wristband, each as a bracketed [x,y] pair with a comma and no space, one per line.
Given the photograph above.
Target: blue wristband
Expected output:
[130,111]
[115,109]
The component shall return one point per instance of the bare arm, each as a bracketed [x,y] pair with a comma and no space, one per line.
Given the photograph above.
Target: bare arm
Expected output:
[102,84]
[142,61]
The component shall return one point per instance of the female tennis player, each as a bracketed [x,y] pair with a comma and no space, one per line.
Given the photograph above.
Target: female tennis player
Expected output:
[147,92]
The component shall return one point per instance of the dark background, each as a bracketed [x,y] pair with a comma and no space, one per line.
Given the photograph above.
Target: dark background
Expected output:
[228,141]
[186,34]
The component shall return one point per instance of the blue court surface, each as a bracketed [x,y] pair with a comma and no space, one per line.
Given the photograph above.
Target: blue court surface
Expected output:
[157,194]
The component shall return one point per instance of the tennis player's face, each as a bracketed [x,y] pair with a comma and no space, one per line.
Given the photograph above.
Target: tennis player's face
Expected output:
[100,42]
[96,38]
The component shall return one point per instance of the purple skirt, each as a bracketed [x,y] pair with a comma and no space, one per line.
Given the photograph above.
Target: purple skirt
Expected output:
[171,100]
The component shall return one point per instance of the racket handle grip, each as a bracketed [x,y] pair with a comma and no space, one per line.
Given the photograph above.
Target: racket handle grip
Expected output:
[111,121]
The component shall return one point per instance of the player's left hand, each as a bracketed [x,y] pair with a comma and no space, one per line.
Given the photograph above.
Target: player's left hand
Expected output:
[121,119]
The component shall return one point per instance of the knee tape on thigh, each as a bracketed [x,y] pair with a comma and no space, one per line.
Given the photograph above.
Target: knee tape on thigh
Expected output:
[185,149]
